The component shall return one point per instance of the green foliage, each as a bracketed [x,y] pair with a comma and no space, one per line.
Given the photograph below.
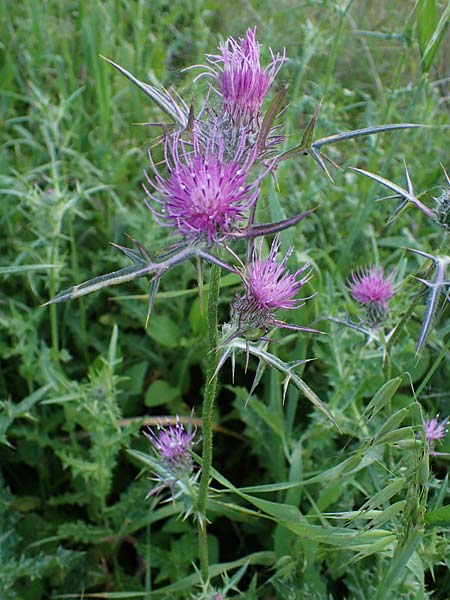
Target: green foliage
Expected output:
[430,30]
[299,508]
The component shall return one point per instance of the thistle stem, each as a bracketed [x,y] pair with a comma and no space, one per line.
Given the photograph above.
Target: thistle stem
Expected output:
[208,405]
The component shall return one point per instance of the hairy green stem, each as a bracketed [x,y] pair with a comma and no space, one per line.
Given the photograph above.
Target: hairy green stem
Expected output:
[53,310]
[208,405]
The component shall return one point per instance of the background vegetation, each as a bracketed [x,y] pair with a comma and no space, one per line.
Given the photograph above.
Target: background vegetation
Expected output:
[78,380]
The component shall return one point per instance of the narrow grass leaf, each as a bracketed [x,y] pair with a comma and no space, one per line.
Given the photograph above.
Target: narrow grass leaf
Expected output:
[398,564]
[18,269]
[439,517]
[264,558]
[430,30]
[383,397]
[351,539]
[385,494]
[391,423]
[388,514]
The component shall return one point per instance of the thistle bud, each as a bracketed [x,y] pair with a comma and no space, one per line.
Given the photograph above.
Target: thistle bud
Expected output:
[370,288]
[442,209]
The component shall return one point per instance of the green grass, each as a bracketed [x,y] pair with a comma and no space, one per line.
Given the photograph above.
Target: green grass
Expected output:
[318,514]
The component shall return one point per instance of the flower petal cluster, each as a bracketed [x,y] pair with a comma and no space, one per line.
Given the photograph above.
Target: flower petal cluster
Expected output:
[268,287]
[369,286]
[269,283]
[241,81]
[205,197]
[435,430]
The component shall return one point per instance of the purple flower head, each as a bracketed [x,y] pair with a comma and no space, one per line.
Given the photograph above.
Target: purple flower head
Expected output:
[172,445]
[268,287]
[269,283]
[204,197]
[241,81]
[434,430]
[369,286]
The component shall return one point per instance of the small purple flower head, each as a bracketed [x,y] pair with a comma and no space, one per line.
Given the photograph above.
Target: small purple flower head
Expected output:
[268,287]
[204,197]
[369,286]
[435,430]
[269,283]
[241,81]
[172,445]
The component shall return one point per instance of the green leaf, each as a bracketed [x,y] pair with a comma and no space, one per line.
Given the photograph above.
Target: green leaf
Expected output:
[383,397]
[351,539]
[136,375]
[256,558]
[385,494]
[13,270]
[398,435]
[393,422]
[426,24]
[160,392]
[430,31]
[388,513]
[164,331]
[398,564]
[439,517]
[10,411]
[274,422]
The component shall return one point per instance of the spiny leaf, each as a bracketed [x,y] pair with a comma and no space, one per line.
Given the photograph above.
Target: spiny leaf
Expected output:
[398,190]
[154,285]
[271,228]
[351,135]
[272,112]
[435,288]
[287,369]
[307,146]
[93,285]
[162,98]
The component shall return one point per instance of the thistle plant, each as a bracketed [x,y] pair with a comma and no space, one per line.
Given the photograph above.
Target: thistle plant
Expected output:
[207,196]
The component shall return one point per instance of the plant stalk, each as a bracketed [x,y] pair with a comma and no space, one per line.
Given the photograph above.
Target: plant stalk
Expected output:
[208,405]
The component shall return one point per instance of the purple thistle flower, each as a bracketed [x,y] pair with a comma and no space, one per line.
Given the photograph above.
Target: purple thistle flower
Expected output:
[269,283]
[268,287]
[241,81]
[205,197]
[172,445]
[434,430]
[369,286]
